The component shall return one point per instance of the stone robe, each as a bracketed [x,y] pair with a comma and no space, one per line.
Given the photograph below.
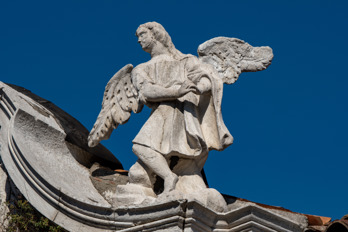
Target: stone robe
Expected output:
[188,126]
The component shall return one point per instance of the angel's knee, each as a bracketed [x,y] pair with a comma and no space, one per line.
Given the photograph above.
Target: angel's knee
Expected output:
[143,153]
[137,149]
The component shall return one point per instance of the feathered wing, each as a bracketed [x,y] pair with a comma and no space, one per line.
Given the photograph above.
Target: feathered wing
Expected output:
[120,99]
[231,56]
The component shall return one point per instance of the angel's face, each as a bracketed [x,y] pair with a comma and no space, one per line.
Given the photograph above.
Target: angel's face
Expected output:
[145,39]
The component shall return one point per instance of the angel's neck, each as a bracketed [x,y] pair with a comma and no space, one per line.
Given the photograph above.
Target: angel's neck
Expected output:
[159,49]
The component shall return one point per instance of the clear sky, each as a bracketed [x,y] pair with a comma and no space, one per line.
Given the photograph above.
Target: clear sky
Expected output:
[289,122]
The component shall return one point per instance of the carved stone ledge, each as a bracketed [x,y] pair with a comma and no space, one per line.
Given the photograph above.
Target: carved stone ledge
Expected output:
[45,154]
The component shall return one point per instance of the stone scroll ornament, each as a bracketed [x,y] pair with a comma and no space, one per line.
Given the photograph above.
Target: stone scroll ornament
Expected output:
[185,94]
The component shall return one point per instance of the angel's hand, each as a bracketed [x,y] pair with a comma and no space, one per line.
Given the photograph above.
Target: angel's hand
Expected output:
[203,86]
[196,75]
[186,87]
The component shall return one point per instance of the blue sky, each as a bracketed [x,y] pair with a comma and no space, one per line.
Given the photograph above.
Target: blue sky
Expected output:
[289,121]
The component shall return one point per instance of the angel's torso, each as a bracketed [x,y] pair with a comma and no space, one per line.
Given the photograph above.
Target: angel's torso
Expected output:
[164,70]
[167,72]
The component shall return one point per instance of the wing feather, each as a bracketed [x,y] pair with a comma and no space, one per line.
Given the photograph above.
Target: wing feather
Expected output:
[120,98]
[231,56]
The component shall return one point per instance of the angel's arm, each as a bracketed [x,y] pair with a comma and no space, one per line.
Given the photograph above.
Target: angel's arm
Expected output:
[151,92]
[156,93]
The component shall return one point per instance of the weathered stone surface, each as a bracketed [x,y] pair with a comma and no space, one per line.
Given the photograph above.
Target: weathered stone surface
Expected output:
[232,56]
[87,208]
[185,94]
[105,180]
[45,153]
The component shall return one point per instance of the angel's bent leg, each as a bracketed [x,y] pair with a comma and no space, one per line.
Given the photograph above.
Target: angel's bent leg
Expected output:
[158,164]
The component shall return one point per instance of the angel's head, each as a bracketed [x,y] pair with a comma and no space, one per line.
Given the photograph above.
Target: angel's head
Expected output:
[151,33]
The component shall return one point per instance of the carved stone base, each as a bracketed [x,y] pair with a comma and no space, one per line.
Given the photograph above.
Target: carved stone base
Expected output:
[193,217]
[132,194]
[45,153]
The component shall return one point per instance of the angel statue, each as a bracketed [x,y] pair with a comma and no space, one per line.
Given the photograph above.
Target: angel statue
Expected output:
[185,94]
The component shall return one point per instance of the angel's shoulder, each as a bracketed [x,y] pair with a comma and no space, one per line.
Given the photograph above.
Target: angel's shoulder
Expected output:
[192,62]
[140,66]
[139,74]
[189,57]
[140,69]
[146,67]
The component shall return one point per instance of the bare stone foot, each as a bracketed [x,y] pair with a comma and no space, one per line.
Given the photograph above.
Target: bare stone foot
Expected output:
[170,183]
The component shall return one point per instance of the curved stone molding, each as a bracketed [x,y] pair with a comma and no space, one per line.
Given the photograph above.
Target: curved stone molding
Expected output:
[46,155]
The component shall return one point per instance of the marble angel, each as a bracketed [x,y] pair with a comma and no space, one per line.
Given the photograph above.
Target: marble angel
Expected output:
[185,94]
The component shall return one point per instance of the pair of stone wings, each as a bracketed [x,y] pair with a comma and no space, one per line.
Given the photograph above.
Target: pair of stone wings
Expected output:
[229,56]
